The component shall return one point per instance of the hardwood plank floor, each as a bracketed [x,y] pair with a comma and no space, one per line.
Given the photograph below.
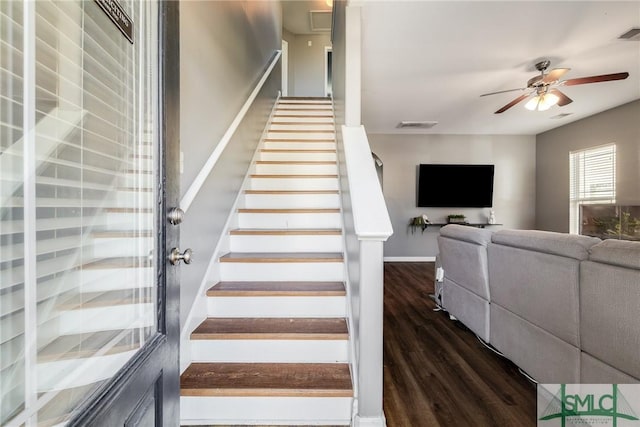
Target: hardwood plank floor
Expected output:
[436,372]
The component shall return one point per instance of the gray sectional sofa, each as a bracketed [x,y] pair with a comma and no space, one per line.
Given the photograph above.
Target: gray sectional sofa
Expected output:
[564,308]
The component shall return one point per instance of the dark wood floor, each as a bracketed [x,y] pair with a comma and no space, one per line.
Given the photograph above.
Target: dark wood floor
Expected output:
[436,372]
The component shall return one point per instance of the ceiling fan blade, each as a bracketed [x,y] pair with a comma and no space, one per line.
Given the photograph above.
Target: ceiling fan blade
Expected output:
[512,103]
[596,79]
[504,91]
[555,74]
[564,99]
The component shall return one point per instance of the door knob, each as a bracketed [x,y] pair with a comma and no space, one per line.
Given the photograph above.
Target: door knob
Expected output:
[175,256]
[175,216]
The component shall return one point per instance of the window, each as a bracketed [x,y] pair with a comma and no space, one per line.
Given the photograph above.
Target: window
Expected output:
[592,180]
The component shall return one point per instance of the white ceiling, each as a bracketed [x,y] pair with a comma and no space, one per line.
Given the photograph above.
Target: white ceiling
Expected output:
[431,60]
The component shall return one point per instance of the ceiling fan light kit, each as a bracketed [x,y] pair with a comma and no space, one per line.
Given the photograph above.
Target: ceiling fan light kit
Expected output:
[544,88]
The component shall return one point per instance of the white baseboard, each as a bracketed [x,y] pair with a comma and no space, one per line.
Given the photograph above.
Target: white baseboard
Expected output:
[370,421]
[409,259]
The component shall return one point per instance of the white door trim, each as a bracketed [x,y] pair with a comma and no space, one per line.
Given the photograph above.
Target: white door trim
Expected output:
[285,68]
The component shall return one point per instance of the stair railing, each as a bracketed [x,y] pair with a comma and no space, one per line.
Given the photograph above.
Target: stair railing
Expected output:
[367,226]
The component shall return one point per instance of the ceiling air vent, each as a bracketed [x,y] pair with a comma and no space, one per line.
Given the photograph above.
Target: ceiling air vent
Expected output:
[320,20]
[408,124]
[632,34]
[561,116]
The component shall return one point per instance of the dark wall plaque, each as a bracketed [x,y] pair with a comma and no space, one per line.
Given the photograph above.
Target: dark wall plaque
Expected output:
[116,13]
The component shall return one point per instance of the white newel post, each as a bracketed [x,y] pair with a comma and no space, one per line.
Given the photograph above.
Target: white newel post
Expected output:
[370,371]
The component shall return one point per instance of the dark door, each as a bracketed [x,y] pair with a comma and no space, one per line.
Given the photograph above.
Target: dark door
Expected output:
[89,134]
[146,391]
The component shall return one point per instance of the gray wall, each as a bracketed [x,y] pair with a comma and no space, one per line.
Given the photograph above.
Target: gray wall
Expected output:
[225,48]
[514,183]
[306,63]
[619,125]
[291,39]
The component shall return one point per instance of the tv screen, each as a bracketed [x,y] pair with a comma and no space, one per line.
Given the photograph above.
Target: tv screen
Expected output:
[455,186]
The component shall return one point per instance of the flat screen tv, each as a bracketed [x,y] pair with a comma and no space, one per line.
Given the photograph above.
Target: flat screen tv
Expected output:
[455,186]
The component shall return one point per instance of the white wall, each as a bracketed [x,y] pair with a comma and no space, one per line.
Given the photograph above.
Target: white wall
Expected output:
[619,125]
[225,47]
[514,158]
[306,63]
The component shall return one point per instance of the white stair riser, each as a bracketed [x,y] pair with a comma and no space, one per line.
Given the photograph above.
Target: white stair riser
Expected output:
[203,410]
[291,201]
[122,247]
[63,374]
[293,184]
[296,169]
[113,279]
[305,106]
[321,101]
[274,351]
[297,112]
[144,180]
[298,156]
[130,199]
[142,163]
[319,119]
[276,306]
[127,221]
[289,220]
[282,243]
[300,135]
[305,145]
[284,271]
[301,126]
[126,316]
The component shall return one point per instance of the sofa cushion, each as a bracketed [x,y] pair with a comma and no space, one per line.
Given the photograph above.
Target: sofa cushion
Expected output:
[479,236]
[539,287]
[609,325]
[466,264]
[568,245]
[617,252]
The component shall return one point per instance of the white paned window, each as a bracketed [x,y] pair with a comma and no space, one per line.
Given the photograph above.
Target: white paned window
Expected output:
[592,180]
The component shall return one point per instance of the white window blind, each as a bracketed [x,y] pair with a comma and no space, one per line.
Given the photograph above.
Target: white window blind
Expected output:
[593,175]
[592,180]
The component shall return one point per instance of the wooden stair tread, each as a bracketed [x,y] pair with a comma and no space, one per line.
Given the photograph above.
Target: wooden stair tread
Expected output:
[124,262]
[288,211]
[108,299]
[286,232]
[276,289]
[291,176]
[291,116]
[80,346]
[296,162]
[291,192]
[281,257]
[299,123]
[302,131]
[267,379]
[122,234]
[282,150]
[305,98]
[272,328]
[299,140]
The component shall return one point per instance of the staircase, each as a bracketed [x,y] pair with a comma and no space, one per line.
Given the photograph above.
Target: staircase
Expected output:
[275,347]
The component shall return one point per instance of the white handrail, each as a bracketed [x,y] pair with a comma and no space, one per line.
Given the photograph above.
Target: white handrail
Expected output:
[200,179]
[370,216]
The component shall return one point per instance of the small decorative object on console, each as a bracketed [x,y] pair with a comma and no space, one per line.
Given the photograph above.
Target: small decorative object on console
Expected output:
[492,217]
[456,219]
[419,221]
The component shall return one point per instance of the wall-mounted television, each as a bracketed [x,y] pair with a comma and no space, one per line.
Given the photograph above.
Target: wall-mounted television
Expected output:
[455,186]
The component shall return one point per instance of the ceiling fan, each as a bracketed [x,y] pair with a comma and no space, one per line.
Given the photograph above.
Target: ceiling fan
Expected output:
[545,89]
